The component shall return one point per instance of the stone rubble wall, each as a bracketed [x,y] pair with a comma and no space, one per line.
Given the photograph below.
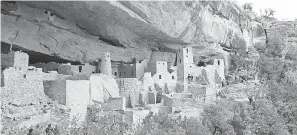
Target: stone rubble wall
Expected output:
[135,117]
[198,90]
[134,95]
[139,115]
[128,84]
[23,92]
[115,104]
[128,117]
[175,102]
[164,109]
[34,120]
[22,112]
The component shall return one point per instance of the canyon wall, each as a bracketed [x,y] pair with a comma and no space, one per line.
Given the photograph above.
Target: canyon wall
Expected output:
[80,30]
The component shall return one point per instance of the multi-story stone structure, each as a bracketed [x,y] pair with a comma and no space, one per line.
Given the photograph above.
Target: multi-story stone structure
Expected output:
[104,64]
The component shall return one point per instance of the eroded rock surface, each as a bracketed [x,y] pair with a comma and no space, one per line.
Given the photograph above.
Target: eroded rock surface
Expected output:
[80,30]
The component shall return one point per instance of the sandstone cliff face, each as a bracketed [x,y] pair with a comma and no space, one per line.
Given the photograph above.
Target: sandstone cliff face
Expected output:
[80,30]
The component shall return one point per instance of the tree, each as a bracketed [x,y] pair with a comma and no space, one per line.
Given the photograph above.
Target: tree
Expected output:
[248,6]
[269,12]
[141,102]
[215,120]
[129,105]
[163,124]
[159,97]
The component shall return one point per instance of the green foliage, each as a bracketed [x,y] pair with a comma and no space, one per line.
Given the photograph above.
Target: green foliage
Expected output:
[215,120]
[106,125]
[248,6]
[129,105]
[141,102]
[265,119]
[159,97]
[162,124]
[279,72]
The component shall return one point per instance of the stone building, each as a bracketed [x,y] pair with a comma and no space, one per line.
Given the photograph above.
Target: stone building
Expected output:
[83,69]
[104,64]
[130,87]
[72,93]
[188,72]
[15,59]
[134,70]
[184,66]
[79,91]
[66,69]
[161,76]
[115,70]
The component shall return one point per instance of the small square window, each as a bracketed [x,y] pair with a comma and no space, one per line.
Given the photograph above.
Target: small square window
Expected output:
[99,60]
[160,77]
[25,76]
[172,77]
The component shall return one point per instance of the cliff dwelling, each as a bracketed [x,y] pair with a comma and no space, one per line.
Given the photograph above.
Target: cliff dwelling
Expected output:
[88,67]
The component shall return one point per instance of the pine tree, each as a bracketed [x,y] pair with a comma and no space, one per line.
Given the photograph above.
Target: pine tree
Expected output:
[159,97]
[129,102]
[141,103]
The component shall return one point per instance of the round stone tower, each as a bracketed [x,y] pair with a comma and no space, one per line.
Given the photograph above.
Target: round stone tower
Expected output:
[104,64]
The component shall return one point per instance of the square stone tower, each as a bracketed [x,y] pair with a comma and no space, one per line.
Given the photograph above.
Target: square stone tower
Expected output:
[184,66]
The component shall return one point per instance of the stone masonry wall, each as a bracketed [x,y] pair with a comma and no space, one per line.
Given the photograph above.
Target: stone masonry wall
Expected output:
[115,104]
[134,95]
[56,90]
[96,88]
[175,102]
[7,60]
[85,69]
[21,59]
[128,84]
[15,59]
[127,70]
[23,92]
[77,98]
